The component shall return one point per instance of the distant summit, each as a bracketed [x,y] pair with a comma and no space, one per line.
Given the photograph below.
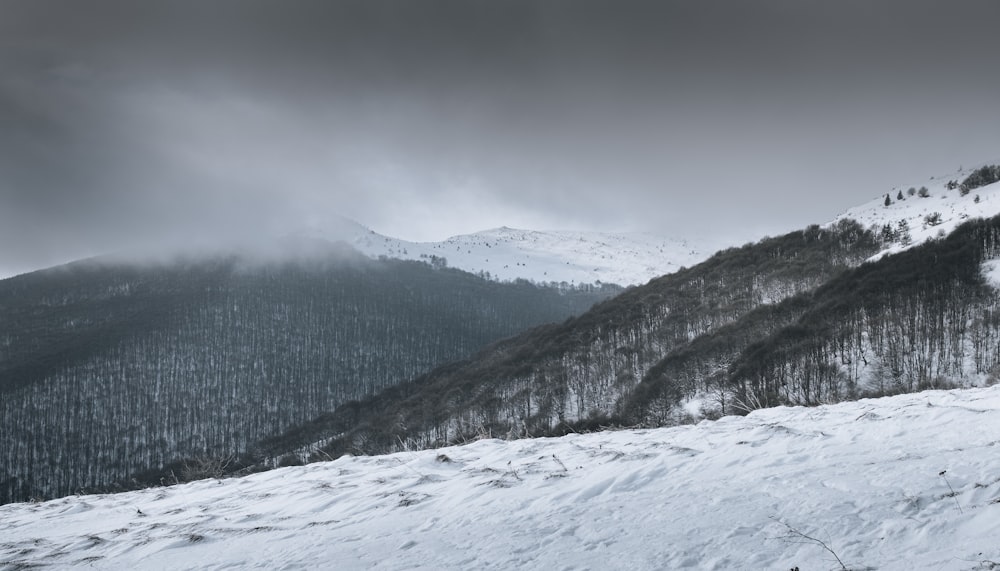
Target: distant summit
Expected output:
[902,217]
[508,254]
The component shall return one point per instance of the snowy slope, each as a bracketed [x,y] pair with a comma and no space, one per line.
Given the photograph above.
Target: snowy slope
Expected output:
[635,258]
[954,209]
[540,256]
[872,479]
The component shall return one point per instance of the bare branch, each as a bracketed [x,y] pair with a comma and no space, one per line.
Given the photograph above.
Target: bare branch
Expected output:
[796,536]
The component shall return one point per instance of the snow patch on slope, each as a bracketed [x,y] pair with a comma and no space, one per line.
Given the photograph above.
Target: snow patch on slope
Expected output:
[907,482]
[991,272]
[918,212]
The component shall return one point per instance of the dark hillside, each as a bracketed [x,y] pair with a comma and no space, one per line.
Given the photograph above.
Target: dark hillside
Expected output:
[584,371]
[923,318]
[109,369]
[920,319]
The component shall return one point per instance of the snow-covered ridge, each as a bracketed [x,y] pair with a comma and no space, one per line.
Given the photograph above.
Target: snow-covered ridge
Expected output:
[540,256]
[907,482]
[933,210]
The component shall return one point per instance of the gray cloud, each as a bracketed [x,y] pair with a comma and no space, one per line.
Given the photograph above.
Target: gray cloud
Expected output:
[125,123]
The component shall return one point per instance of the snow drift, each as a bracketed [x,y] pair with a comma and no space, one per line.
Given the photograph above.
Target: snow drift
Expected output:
[905,482]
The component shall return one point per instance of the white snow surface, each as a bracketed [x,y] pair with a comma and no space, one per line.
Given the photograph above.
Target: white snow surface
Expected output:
[954,209]
[634,258]
[540,256]
[991,271]
[906,482]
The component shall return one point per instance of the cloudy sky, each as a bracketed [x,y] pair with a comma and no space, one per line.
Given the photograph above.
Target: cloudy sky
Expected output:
[125,123]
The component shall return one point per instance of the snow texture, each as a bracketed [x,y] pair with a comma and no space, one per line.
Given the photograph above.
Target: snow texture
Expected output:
[540,256]
[953,208]
[635,258]
[906,482]
[991,271]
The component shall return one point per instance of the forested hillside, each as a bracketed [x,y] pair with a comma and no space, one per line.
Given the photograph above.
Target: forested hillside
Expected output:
[923,318]
[595,368]
[704,338]
[109,370]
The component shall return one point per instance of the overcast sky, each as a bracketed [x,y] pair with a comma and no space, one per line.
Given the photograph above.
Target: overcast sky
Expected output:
[127,123]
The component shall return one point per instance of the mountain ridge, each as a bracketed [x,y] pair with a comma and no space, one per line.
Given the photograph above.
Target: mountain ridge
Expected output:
[808,308]
[541,256]
[586,372]
[912,208]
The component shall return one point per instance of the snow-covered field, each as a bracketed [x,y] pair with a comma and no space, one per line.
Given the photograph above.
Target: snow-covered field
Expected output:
[908,482]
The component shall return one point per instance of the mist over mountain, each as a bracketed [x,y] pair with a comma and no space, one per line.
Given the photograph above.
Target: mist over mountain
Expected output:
[832,313]
[581,370]
[110,368]
[121,373]
[399,243]
[571,257]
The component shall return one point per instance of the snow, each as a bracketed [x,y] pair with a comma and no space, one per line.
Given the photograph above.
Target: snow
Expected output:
[954,209]
[540,256]
[991,271]
[635,258]
[871,479]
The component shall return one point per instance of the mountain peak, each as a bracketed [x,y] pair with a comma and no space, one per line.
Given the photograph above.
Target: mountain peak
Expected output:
[506,253]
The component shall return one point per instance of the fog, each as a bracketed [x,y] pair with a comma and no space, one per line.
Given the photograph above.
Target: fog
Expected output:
[145,125]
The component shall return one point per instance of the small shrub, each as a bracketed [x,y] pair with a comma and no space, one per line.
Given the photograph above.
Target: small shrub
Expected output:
[981,177]
[205,467]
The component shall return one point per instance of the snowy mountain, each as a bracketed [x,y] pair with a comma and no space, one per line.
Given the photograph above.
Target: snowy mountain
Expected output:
[539,256]
[905,482]
[635,258]
[926,210]
[793,319]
